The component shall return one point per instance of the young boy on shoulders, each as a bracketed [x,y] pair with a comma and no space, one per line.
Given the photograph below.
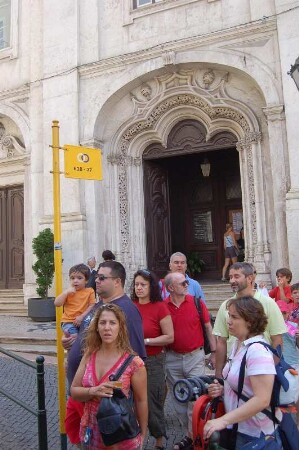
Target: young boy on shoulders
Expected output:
[283,289]
[77,300]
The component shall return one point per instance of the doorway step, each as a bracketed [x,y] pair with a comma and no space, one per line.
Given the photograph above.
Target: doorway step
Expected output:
[27,338]
[215,294]
[12,303]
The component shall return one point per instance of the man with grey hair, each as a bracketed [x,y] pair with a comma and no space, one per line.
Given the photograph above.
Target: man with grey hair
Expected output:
[185,357]
[241,278]
[91,262]
[178,263]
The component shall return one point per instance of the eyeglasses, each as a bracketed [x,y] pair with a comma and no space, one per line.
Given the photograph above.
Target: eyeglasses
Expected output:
[184,283]
[108,306]
[103,277]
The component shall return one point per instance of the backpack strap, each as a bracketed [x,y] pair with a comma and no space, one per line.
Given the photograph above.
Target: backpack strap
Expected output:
[122,368]
[270,415]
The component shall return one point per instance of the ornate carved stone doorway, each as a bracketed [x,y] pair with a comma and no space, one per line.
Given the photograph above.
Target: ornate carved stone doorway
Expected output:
[215,122]
[185,210]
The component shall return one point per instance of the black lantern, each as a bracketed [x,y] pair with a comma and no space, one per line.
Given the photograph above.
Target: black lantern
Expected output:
[294,72]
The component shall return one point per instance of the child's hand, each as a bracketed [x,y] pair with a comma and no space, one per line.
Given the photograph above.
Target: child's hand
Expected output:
[78,320]
[70,290]
[281,282]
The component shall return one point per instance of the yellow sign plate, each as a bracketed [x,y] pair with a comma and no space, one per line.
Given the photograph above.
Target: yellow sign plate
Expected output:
[82,162]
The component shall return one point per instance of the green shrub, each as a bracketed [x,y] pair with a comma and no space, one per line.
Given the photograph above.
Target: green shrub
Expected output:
[43,249]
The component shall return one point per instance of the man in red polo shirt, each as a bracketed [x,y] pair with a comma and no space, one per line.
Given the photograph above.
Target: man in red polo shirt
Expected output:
[185,357]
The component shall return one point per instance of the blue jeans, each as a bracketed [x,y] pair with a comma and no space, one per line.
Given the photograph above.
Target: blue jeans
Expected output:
[243,439]
[69,327]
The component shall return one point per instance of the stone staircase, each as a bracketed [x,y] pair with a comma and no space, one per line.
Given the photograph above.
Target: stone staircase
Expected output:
[29,345]
[12,303]
[215,294]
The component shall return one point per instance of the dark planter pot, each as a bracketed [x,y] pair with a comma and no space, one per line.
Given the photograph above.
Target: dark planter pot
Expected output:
[41,309]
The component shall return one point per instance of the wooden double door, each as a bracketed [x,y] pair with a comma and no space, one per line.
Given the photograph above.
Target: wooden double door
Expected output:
[11,237]
[187,211]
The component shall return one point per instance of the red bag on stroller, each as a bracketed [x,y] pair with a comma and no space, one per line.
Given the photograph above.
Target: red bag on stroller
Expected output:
[204,409]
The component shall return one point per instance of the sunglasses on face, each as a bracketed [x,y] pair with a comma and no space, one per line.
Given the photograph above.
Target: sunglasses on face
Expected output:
[184,283]
[103,277]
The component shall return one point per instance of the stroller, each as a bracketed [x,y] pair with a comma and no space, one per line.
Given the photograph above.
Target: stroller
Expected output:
[206,409]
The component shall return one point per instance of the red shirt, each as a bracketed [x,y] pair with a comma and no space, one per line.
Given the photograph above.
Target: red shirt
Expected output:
[188,334]
[275,293]
[152,314]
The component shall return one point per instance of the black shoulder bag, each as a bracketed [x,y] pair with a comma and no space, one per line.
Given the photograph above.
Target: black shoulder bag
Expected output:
[206,341]
[116,416]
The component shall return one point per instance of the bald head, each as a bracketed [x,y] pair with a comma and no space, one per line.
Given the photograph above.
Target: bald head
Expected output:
[176,284]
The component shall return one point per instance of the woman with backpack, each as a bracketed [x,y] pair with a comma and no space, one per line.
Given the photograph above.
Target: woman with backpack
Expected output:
[107,349]
[247,322]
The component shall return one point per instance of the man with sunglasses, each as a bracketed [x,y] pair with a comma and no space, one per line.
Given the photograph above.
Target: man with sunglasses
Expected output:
[178,263]
[110,282]
[185,357]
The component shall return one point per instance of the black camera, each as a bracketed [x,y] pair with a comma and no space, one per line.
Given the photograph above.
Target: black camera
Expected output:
[189,389]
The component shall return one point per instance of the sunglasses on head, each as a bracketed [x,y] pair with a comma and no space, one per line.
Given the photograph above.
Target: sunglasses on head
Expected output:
[144,272]
[103,277]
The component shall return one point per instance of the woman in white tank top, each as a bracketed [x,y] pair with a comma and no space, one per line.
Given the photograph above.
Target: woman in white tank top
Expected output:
[230,248]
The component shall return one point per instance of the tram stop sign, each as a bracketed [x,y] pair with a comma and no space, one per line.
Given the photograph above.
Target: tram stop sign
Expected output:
[82,162]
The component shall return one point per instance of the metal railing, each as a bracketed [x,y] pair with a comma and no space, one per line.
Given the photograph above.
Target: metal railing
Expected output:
[40,413]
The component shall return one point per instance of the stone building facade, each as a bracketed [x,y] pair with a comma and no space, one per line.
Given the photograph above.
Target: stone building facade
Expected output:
[125,76]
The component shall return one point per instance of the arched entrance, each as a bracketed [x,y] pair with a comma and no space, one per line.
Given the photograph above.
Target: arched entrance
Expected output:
[12,168]
[152,133]
[186,206]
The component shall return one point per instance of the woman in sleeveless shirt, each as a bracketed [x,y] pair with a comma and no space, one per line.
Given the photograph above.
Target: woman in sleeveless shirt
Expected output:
[230,248]
[106,348]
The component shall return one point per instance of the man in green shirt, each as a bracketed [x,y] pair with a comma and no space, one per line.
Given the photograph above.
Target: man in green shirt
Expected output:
[241,278]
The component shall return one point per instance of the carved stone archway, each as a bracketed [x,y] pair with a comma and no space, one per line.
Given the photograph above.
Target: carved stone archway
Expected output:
[168,100]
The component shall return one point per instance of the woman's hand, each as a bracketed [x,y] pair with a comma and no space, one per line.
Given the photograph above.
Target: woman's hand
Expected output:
[215,389]
[102,390]
[213,425]
[67,341]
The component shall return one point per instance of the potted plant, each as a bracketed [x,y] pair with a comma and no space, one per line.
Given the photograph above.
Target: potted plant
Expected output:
[195,264]
[42,309]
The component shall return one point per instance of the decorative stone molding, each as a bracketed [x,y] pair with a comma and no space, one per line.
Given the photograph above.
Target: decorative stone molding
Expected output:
[245,145]
[208,78]
[123,160]
[10,146]
[168,58]
[274,113]
[213,112]
[146,91]
[200,41]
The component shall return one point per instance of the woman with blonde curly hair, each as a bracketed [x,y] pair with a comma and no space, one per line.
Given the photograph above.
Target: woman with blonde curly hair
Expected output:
[106,347]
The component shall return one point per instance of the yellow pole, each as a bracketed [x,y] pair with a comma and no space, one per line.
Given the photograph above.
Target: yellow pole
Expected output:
[58,279]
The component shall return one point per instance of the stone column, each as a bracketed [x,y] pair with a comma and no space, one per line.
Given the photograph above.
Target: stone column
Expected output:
[257,249]
[278,162]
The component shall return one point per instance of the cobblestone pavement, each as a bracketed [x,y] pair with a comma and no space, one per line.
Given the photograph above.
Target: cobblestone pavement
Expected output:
[18,427]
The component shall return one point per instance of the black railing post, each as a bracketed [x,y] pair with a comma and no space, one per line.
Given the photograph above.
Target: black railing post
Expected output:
[41,412]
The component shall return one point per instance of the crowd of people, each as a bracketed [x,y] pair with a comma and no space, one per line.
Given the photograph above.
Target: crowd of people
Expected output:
[162,326]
